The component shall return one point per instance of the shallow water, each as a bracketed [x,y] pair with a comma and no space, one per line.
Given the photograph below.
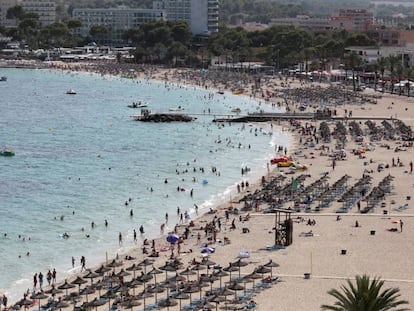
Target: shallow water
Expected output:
[81,157]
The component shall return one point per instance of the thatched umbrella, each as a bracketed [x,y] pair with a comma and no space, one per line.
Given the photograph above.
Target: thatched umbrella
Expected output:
[157,289]
[91,275]
[134,268]
[87,291]
[220,273]
[66,286]
[154,272]
[230,268]
[60,305]
[130,303]
[271,264]
[188,272]
[190,290]
[168,268]
[145,294]
[146,262]
[78,281]
[97,302]
[239,263]
[180,296]
[53,291]
[102,269]
[110,294]
[39,296]
[197,268]
[167,303]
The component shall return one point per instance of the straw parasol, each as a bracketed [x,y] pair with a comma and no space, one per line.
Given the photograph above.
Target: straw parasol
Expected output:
[188,272]
[39,296]
[66,286]
[190,290]
[53,291]
[78,281]
[134,268]
[168,268]
[239,263]
[87,291]
[102,269]
[60,305]
[146,262]
[167,303]
[91,275]
[230,268]
[110,294]
[271,264]
[197,267]
[130,303]
[220,273]
[180,296]
[143,295]
[157,289]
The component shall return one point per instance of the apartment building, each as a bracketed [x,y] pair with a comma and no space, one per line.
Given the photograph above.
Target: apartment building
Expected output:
[45,9]
[117,19]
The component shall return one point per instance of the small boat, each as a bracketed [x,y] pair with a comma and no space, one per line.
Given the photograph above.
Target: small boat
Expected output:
[179,108]
[221,92]
[71,92]
[236,110]
[7,152]
[3,78]
[138,105]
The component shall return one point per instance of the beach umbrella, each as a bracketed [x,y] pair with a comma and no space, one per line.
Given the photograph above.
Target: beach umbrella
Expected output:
[97,302]
[102,269]
[66,286]
[225,292]
[263,270]
[60,305]
[190,290]
[271,264]
[145,294]
[167,303]
[134,283]
[239,263]
[130,303]
[134,268]
[24,302]
[78,281]
[230,268]
[188,272]
[207,262]
[146,262]
[207,250]
[53,291]
[91,275]
[72,296]
[172,238]
[87,291]
[254,276]
[154,272]
[40,296]
[110,294]
[157,289]
[122,273]
[177,278]
[197,268]
[217,299]
[168,268]
[220,273]
[180,296]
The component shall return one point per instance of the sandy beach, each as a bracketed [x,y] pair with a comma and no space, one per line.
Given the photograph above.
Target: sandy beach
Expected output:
[326,248]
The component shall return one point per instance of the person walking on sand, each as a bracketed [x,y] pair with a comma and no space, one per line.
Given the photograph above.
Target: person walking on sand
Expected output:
[401,225]
[411,167]
[41,280]
[35,281]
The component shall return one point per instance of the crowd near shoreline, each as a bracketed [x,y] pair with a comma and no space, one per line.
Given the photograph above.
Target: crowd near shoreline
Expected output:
[371,235]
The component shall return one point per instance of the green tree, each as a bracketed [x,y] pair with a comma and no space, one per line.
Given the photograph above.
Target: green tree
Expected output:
[367,295]
[392,62]
[352,61]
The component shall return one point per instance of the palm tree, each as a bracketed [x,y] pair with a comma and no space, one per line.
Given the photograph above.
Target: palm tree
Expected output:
[382,64]
[353,60]
[366,296]
[393,61]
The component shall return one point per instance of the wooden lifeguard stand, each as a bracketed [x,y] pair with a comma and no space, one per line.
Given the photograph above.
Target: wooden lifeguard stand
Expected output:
[283,227]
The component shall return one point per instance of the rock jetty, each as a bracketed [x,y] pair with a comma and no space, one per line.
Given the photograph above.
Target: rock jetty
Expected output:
[163,117]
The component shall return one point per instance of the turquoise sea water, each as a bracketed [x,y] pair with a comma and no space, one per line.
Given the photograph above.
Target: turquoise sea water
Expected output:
[82,157]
